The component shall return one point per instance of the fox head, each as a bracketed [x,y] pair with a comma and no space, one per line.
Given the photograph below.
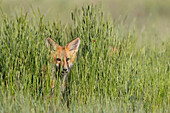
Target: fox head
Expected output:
[63,56]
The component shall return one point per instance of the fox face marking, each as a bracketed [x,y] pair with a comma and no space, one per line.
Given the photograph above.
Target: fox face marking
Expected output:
[63,57]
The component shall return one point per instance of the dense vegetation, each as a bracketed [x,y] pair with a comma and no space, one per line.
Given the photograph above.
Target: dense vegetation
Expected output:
[111,73]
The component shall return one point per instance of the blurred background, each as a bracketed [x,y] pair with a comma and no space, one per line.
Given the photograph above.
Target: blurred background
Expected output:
[152,15]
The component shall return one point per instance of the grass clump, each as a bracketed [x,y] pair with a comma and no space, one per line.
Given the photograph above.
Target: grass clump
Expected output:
[111,73]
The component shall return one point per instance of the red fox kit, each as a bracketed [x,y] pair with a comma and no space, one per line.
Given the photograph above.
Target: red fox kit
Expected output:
[63,58]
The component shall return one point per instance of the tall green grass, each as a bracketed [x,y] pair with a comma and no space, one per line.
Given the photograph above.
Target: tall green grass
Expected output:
[132,79]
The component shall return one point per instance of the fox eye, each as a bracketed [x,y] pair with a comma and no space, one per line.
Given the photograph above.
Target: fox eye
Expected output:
[58,59]
[67,59]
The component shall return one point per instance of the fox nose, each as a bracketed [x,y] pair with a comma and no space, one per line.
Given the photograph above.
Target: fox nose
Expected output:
[65,69]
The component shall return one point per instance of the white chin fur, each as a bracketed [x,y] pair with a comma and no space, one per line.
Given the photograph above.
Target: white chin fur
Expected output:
[57,65]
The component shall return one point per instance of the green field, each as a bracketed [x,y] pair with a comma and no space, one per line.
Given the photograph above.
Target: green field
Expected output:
[134,78]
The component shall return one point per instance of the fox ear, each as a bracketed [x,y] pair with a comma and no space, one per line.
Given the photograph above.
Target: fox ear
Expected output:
[74,45]
[53,45]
